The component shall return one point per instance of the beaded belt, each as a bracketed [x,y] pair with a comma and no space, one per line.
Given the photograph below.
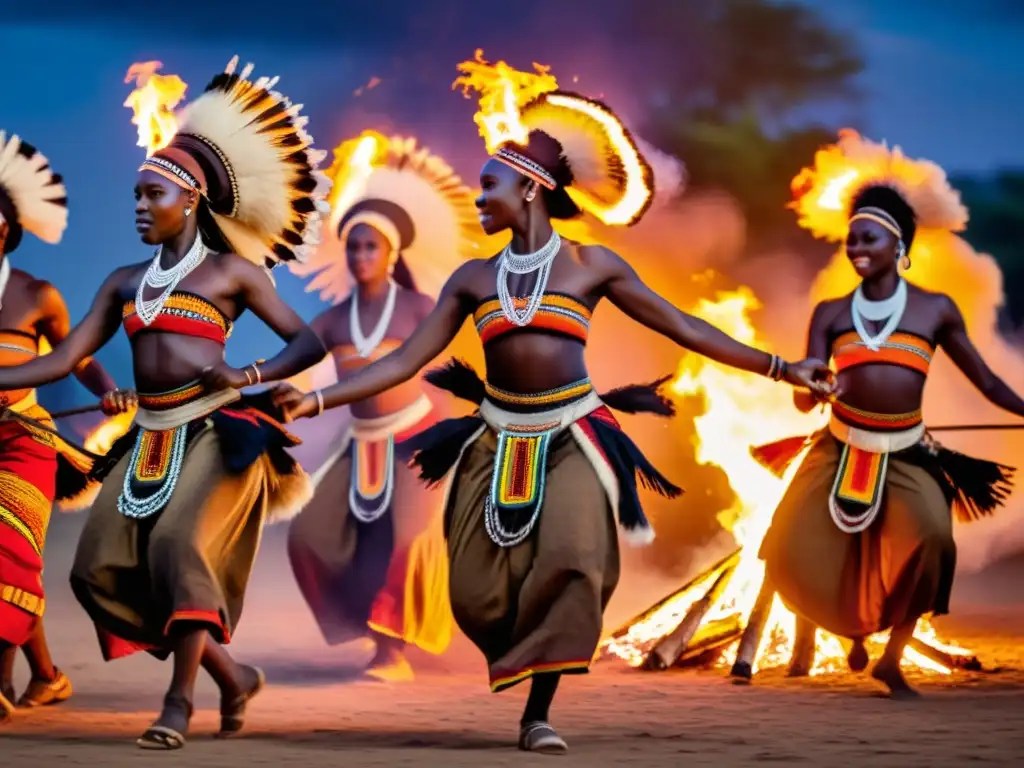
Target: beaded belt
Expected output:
[539,401]
[875,421]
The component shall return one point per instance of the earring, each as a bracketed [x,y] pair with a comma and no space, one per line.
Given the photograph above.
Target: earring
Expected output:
[188,211]
[532,193]
[902,259]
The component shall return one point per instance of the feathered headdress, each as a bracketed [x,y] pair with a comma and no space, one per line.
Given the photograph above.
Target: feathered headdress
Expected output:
[32,196]
[824,193]
[244,148]
[575,147]
[409,194]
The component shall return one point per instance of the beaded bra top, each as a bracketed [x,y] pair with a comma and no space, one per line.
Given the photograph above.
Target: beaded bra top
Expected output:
[185,314]
[901,349]
[558,313]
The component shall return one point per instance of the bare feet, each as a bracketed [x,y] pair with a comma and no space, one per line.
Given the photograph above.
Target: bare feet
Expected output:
[234,702]
[41,693]
[858,658]
[169,730]
[541,737]
[888,673]
[390,665]
[6,708]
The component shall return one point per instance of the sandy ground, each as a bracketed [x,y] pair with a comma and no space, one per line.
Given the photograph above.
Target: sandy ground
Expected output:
[317,710]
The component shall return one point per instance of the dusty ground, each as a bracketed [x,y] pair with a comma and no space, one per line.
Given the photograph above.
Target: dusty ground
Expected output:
[317,712]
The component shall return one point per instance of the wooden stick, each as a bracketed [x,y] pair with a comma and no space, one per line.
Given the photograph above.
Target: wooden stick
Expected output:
[729,560]
[746,654]
[710,640]
[948,660]
[671,646]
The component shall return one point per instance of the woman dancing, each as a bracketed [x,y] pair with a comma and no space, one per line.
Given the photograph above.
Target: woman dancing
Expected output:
[862,541]
[368,551]
[543,464]
[37,467]
[164,558]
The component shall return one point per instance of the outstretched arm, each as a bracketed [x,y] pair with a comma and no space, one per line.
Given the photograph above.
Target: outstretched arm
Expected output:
[817,349]
[429,339]
[78,345]
[953,338]
[256,292]
[629,293]
[55,325]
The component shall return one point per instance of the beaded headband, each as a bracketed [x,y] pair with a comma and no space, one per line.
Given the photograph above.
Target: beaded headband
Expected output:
[378,221]
[529,168]
[172,172]
[879,216]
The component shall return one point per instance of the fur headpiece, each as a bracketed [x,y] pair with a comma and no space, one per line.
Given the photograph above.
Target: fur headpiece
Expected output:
[32,196]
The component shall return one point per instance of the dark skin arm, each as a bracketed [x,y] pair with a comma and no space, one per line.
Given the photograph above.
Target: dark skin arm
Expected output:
[436,332]
[77,346]
[629,293]
[817,348]
[257,293]
[953,338]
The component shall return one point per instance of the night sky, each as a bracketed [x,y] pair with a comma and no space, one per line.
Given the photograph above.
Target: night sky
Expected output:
[942,80]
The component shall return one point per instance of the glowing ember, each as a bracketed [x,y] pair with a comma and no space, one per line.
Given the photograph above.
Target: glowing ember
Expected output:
[152,104]
[744,410]
[104,435]
[505,91]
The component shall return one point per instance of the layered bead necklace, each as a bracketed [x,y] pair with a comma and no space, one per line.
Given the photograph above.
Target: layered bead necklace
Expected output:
[891,310]
[168,279]
[365,345]
[523,264]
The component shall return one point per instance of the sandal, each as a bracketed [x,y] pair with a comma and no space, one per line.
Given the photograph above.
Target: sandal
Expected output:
[163,737]
[41,693]
[232,713]
[541,737]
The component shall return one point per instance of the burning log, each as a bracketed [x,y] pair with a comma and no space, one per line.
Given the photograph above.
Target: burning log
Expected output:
[948,660]
[671,646]
[746,654]
[710,641]
[726,562]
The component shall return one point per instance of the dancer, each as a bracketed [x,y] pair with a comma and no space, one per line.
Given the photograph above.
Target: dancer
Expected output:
[862,541]
[164,558]
[37,466]
[540,467]
[368,551]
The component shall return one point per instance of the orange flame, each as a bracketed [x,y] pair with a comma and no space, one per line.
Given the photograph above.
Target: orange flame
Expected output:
[745,410]
[354,161]
[152,104]
[106,433]
[503,90]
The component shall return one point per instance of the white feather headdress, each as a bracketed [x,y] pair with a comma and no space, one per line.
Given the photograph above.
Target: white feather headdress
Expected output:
[35,193]
[254,162]
[395,169]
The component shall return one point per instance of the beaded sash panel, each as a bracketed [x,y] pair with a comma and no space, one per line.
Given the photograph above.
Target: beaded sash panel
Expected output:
[153,471]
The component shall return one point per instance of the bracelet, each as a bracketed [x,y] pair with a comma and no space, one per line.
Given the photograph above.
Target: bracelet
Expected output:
[256,371]
[319,402]
[777,368]
[248,378]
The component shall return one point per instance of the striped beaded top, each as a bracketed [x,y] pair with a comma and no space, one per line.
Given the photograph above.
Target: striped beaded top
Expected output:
[558,313]
[185,314]
[901,349]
